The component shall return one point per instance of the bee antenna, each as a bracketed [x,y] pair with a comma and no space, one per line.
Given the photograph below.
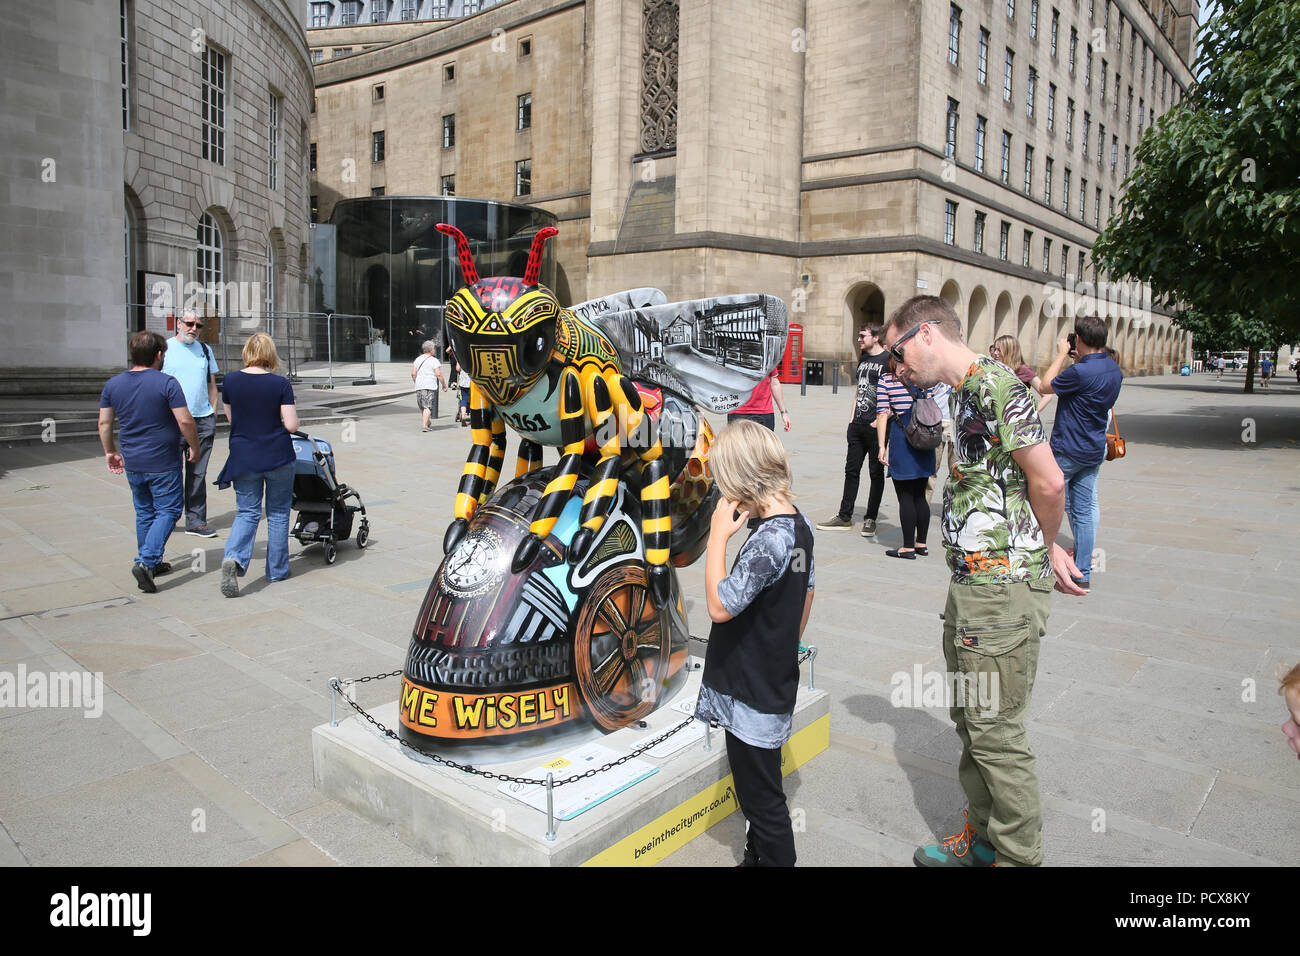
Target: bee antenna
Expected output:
[534,270]
[467,269]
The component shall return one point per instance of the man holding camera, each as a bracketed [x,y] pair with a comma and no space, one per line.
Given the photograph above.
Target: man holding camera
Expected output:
[1086,392]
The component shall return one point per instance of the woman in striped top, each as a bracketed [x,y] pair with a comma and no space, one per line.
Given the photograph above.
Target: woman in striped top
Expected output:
[909,469]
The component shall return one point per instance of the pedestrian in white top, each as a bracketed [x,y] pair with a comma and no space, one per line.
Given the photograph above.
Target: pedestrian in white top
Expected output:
[426,373]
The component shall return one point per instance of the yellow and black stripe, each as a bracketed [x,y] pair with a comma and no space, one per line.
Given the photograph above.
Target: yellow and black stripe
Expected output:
[656,524]
[473,476]
[573,433]
[498,454]
[530,457]
[604,482]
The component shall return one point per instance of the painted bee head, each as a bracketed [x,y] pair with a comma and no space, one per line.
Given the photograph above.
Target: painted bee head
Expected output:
[502,328]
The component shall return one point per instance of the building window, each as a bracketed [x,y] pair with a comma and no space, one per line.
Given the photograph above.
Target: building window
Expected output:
[1069,121]
[1126,162]
[1083,201]
[1104,65]
[449,185]
[449,73]
[317,56]
[954,33]
[525,47]
[312,167]
[214,106]
[377,190]
[1116,104]
[1128,109]
[982,57]
[1004,240]
[1065,191]
[378,93]
[1087,66]
[124,29]
[268,289]
[1080,272]
[1092,10]
[1119,37]
[1105,21]
[351,12]
[1056,29]
[950,137]
[1047,181]
[1051,107]
[1047,255]
[1011,9]
[1074,50]
[1030,89]
[978,244]
[1006,158]
[1083,143]
[410,9]
[1006,75]
[1096,208]
[320,14]
[377,146]
[439,9]
[1142,111]
[471,7]
[1110,213]
[1065,259]
[524,111]
[524,177]
[1025,249]
[981,130]
[315,209]
[209,268]
[1029,169]
[1114,153]
[273,141]
[949,222]
[1101,143]
[378,11]
[1033,19]
[342,51]
[1144,61]
[449,131]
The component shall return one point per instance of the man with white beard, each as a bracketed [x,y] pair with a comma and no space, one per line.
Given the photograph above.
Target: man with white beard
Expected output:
[192,364]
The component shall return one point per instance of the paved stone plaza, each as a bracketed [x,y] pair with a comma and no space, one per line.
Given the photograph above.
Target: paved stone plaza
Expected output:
[1147,752]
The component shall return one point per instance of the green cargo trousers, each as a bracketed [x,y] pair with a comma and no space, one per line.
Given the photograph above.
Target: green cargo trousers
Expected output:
[990,639]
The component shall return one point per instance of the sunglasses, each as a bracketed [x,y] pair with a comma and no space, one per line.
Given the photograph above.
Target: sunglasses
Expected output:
[191,325]
[896,350]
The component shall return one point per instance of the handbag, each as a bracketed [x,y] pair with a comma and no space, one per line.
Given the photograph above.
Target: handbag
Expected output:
[1114,443]
[924,427]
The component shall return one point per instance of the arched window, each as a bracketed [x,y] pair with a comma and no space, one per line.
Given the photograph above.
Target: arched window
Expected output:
[268,289]
[129,233]
[209,265]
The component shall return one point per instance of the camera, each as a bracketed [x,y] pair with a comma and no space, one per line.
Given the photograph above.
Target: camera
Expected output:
[1071,339]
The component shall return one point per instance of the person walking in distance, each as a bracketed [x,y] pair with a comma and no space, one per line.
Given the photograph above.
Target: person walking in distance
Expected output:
[862,440]
[909,469]
[1086,392]
[191,362]
[154,416]
[426,373]
[1002,506]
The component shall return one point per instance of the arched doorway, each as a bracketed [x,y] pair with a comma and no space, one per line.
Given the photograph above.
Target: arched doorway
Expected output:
[1002,316]
[1027,333]
[864,304]
[979,329]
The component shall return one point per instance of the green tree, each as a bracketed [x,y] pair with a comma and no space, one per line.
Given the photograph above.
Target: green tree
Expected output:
[1211,212]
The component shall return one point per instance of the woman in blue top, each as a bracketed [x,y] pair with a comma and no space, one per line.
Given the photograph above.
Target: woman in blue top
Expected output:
[909,469]
[262,416]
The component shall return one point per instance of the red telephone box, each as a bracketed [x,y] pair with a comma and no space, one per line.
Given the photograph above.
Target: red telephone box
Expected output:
[790,371]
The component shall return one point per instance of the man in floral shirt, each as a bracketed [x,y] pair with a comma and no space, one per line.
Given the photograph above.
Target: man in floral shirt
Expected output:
[1002,506]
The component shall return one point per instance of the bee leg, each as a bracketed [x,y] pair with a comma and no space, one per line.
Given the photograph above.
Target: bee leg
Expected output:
[604,481]
[560,487]
[455,531]
[475,471]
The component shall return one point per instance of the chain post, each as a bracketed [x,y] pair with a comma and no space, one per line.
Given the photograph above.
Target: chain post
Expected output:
[835,378]
[812,663]
[708,736]
[334,691]
[550,807]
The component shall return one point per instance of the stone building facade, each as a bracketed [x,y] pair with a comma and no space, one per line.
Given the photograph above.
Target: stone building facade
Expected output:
[147,138]
[841,154]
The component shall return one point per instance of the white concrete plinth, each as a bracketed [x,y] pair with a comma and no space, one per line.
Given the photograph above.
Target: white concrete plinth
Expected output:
[463,820]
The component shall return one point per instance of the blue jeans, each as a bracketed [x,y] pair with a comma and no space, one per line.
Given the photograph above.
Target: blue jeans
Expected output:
[159,497]
[1082,509]
[278,485]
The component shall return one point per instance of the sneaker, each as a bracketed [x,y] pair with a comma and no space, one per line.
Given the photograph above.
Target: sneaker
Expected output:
[835,524]
[230,577]
[426,429]
[964,849]
[868,527]
[161,568]
[202,531]
[144,578]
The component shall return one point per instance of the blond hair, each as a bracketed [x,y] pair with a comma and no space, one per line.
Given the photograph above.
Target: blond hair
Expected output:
[749,464]
[1290,681]
[259,351]
[1009,348]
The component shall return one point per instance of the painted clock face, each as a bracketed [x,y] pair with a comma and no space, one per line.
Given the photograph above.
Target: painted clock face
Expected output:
[476,565]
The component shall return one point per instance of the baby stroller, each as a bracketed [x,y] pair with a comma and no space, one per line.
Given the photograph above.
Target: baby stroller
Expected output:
[324,512]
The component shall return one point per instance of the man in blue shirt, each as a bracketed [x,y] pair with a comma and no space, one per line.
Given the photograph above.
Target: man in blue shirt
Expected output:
[153,414]
[1086,392]
[192,364]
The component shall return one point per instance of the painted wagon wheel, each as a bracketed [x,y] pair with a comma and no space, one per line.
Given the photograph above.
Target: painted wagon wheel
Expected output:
[621,648]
